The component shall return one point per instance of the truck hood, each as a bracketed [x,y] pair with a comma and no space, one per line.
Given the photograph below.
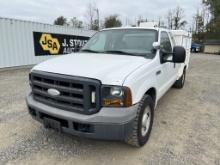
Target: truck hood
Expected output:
[108,68]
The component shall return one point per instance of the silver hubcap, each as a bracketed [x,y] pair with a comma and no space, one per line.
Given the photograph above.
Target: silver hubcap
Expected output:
[146,121]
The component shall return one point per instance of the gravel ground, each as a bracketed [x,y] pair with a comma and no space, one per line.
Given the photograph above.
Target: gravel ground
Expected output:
[186,128]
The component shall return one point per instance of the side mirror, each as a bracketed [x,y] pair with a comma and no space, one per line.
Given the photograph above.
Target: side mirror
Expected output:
[156,45]
[179,54]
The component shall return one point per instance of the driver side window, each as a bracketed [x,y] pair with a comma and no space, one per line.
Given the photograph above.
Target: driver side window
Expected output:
[165,43]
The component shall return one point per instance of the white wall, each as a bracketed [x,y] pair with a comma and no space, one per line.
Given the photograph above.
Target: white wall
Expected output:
[17,45]
[213,49]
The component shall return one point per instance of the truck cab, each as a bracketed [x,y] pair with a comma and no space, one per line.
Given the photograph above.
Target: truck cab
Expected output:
[109,90]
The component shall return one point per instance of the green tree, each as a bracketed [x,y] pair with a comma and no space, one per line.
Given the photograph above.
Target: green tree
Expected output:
[212,28]
[61,21]
[112,21]
[214,7]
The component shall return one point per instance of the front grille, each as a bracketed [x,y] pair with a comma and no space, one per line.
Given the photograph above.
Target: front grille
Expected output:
[75,92]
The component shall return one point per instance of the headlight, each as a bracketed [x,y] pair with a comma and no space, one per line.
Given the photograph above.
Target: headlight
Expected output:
[116,96]
[116,91]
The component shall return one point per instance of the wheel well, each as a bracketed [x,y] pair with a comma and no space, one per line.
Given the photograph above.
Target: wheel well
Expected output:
[152,92]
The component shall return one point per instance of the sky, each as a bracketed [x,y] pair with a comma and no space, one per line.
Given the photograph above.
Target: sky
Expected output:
[46,11]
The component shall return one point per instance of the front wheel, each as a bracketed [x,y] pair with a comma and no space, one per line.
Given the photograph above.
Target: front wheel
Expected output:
[143,123]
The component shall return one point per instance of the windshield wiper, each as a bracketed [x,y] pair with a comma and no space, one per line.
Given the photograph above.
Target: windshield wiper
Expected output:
[89,50]
[119,52]
[112,52]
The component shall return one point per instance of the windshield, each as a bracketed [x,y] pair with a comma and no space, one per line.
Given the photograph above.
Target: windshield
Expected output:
[136,42]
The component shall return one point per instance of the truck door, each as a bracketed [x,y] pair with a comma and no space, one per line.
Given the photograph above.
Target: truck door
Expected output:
[166,80]
[173,68]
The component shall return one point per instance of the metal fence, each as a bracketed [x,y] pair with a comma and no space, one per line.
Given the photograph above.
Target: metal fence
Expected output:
[17,45]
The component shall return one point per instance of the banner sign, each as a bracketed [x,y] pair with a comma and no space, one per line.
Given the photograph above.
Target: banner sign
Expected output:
[57,44]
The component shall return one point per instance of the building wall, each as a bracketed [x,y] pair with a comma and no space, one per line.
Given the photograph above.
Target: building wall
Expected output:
[212,49]
[17,45]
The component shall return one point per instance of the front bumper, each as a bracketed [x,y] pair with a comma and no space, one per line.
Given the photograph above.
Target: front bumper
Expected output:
[108,123]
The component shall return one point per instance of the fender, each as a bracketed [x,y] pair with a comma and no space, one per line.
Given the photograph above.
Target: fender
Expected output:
[142,80]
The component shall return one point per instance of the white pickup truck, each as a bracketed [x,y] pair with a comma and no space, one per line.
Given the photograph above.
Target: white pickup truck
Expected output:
[110,89]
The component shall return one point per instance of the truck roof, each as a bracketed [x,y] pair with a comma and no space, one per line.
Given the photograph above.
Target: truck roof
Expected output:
[173,32]
[155,26]
[147,28]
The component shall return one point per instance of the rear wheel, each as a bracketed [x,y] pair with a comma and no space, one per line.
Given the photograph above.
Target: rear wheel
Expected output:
[179,84]
[143,123]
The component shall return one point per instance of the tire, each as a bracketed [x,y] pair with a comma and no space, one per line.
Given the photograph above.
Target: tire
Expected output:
[140,134]
[179,84]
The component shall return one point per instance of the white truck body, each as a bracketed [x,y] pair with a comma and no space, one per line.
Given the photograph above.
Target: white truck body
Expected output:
[129,75]
[184,39]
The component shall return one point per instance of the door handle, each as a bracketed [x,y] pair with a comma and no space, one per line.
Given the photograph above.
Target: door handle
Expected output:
[158,72]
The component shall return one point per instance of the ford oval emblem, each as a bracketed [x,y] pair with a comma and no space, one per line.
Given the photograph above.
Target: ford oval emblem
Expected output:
[53,92]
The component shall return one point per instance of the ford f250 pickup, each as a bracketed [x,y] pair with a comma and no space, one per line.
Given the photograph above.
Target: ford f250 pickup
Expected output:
[110,89]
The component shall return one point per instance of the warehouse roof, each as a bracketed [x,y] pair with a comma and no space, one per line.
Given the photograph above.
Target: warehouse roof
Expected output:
[40,23]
